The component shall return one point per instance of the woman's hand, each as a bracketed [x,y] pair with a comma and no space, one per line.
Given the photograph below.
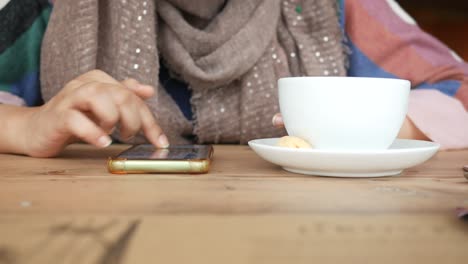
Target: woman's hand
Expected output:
[410,131]
[88,108]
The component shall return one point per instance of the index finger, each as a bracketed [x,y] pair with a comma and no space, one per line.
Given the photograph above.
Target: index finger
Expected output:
[143,91]
[152,131]
[98,76]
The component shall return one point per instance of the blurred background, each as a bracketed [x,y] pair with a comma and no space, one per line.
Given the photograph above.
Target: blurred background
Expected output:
[445,19]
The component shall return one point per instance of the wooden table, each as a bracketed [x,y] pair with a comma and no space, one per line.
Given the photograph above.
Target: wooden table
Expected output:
[70,210]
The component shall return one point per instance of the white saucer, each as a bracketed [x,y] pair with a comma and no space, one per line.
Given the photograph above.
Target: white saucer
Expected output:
[402,154]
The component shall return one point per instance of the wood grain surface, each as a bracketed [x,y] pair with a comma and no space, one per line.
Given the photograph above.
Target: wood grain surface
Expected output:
[71,210]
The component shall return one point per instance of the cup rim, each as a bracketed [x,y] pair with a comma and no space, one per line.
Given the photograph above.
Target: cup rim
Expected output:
[291,78]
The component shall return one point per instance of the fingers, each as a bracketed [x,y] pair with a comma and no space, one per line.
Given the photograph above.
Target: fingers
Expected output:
[109,104]
[130,118]
[96,75]
[277,120]
[77,124]
[131,84]
[143,91]
[136,116]
[102,99]
[152,131]
[101,106]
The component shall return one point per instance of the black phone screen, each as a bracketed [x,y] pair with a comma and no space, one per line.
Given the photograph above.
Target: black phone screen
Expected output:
[178,152]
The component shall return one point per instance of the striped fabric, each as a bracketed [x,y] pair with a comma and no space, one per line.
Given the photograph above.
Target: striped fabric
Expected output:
[402,50]
[384,41]
[22,25]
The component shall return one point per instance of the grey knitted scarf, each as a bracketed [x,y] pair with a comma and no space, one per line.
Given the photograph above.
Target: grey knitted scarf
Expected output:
[230,53]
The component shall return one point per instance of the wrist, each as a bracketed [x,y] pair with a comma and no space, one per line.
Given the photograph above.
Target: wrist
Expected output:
[410,131]
[16,133]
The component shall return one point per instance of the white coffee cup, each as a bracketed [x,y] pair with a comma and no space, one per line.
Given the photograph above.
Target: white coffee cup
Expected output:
[344,113]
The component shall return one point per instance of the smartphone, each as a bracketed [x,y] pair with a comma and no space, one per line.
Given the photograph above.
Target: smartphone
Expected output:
[145,158]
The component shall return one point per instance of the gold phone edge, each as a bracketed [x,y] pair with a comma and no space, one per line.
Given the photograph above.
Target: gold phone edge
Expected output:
[124,166]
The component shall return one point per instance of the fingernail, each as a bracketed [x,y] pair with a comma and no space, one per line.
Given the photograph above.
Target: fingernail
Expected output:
[163,141]
[104,141]
[277,120]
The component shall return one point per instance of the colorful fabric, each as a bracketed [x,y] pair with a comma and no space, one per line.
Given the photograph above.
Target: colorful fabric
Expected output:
[22,25]
[384,42]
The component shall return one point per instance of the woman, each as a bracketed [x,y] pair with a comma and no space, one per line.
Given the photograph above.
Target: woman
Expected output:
[214,66]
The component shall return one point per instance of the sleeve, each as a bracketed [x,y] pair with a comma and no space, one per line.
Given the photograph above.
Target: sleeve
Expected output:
[386,42]
[22,26]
